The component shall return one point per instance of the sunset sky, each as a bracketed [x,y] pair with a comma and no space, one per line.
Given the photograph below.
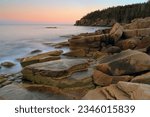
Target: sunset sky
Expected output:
[53,11]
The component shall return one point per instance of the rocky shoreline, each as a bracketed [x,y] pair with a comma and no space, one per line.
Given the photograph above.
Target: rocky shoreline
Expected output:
[108,64]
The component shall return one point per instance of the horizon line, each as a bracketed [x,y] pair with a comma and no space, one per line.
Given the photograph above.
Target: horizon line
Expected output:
[19,23]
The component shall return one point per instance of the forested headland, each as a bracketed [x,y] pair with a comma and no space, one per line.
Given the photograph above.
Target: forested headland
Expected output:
[121,14]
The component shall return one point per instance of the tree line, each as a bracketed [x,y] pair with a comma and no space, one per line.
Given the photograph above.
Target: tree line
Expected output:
[122,14]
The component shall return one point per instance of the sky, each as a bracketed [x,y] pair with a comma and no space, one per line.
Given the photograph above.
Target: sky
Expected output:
[53,11]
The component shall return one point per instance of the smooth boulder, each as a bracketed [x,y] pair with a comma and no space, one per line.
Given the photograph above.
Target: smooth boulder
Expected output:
[116,32]
[125,63]
[103,79]
[98,54]
[7,64]
[35,51]
[130,43]
[88,42]
[144,78]
[112,50]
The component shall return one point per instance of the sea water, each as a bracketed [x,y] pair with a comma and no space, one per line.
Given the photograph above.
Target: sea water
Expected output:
[18,40]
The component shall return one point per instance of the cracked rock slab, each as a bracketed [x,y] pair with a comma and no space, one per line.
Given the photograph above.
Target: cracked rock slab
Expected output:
[136,91]
[57,73]
[120,91]
[44,57]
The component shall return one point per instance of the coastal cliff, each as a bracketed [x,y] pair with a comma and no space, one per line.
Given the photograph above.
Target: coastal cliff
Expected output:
[109,16]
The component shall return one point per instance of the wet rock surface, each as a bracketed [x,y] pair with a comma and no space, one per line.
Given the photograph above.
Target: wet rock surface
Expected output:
[8,64]
[2,79]
[64,93]
[58,73]
[17,92]
[36,51]
[48,56]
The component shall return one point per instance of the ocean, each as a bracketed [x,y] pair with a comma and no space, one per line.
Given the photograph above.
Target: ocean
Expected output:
[17,41]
